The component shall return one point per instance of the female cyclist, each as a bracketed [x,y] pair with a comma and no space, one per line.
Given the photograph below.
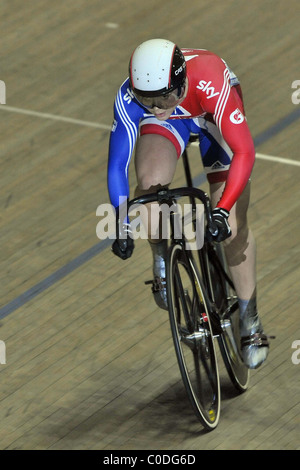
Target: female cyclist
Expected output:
[169,94]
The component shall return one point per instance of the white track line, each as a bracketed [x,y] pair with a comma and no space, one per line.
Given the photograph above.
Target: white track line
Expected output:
[55,117]
[271,158]
[96,125]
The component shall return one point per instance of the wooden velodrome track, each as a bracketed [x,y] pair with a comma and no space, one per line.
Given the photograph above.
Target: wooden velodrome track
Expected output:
[89,358]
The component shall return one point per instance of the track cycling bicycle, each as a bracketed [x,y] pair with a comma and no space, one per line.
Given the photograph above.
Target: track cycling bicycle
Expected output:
[203,307]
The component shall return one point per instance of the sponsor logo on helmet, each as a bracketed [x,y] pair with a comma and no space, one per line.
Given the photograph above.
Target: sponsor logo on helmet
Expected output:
[178,71]
[236,117]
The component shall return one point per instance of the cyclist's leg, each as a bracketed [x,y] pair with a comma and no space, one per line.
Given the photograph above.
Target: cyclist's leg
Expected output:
[158,148]
[240,251]
[240,248]
[157,152]
[155,164]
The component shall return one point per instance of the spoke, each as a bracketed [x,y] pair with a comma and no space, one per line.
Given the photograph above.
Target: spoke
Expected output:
[182,297]
[202,391]
[204,358]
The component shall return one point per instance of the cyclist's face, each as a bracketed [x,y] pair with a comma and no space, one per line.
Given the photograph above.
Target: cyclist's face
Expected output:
[162,106]
[162,102]
[162,114]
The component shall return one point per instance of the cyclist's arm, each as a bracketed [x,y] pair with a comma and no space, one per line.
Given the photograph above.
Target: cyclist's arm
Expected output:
[228,112]
[122,140]
[238,137]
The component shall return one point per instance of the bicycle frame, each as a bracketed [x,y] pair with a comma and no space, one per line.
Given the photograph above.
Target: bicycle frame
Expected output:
[203,254]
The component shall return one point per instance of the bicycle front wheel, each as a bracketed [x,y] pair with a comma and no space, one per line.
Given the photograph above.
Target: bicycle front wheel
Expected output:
[193,337]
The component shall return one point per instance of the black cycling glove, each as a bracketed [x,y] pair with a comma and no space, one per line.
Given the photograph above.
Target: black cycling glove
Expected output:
[123,246]
[220,217]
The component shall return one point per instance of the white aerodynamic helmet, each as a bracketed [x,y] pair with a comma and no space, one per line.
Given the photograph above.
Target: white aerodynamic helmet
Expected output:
[156,67]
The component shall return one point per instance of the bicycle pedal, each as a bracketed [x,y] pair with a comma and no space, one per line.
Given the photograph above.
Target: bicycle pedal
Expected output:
[158,284]
[155,287]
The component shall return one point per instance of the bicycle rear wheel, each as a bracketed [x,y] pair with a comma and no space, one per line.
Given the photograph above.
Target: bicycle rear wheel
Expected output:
[229,342]
[193,337]
[227,302]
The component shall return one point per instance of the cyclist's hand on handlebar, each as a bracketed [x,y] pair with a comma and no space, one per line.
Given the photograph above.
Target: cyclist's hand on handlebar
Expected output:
[220,217]
[123,247]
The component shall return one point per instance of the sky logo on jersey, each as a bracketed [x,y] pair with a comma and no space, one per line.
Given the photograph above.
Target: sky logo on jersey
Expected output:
[129,96]
[236,117]
[209,90]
